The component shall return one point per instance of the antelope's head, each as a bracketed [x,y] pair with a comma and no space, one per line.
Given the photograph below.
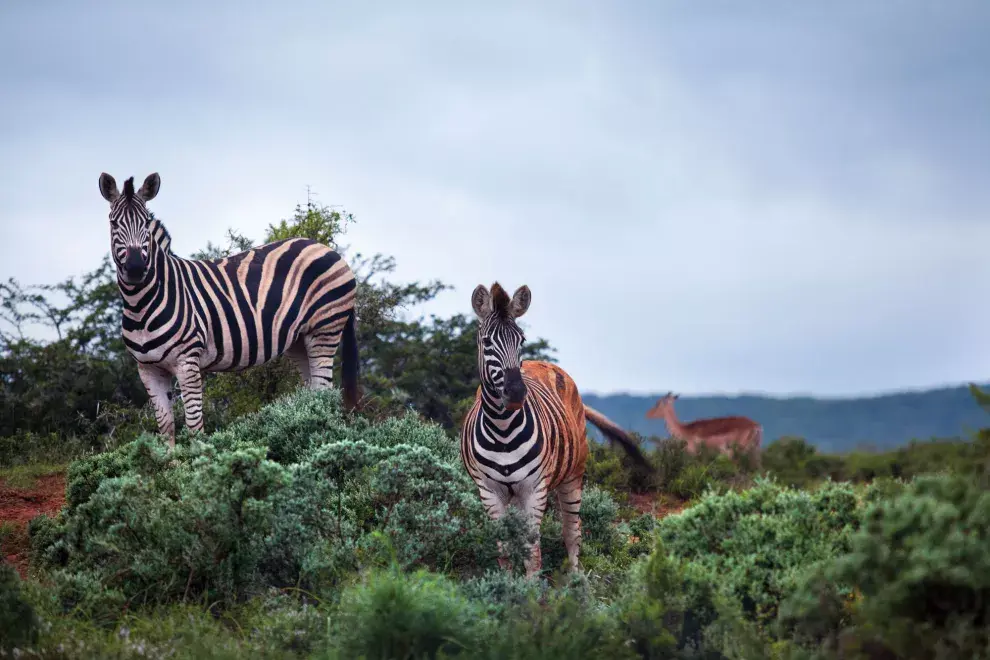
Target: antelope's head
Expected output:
[662,407]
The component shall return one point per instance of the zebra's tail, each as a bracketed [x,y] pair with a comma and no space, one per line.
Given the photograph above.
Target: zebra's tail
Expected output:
[613,432]
[350,364]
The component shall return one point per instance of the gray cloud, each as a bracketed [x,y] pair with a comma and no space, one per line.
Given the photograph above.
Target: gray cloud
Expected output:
[719,198]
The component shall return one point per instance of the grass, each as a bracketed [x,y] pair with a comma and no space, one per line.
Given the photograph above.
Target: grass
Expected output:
[27,476]
[8,531]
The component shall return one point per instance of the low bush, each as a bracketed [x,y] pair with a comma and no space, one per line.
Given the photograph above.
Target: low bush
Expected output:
[797,463]
[300,531]
[395,615]
[225,520]
[18,623]
[676,471]
[914,583]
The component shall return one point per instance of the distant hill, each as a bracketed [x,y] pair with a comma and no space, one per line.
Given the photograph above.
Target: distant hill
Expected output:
[832,425]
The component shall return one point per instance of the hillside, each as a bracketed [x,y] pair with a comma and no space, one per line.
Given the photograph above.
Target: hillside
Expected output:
[833,425]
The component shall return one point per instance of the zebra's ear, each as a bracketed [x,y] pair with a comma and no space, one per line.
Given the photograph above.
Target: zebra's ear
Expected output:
[520,301]
[108,188]
[149,189]
[481,301]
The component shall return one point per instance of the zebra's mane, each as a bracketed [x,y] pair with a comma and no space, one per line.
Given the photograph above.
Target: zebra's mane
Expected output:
[159,228]
[501,302]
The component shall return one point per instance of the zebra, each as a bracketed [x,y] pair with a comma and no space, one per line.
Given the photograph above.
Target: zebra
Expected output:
[183,318]
[525,435]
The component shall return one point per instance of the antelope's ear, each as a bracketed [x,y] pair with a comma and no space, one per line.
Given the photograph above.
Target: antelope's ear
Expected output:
[108,188]
[149,189]
[520,301]
[481,301]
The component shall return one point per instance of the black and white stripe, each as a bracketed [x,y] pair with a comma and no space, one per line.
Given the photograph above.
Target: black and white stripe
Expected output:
[183,318]
[526,434]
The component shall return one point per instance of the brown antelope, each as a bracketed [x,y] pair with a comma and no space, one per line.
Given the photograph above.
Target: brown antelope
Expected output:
[720,433]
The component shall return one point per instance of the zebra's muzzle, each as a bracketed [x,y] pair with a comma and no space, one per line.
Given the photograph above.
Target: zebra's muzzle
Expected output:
[514,392]
[134,267]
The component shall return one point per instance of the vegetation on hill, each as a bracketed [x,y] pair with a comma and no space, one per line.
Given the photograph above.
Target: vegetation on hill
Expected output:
[294,532]
[832,425]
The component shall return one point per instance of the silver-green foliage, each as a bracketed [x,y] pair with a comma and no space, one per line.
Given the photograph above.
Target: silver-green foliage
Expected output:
[756,544]
[292,496]
[18,623]
[915,582]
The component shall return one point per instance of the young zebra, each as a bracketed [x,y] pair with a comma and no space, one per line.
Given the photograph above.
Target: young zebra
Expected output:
[184,317]
[525,435]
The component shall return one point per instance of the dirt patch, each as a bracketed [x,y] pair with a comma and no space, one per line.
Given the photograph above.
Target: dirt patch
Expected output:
[656,505]
[18,506]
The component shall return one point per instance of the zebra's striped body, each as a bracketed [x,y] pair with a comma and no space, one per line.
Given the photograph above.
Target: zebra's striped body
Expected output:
[183,318]
[525,435]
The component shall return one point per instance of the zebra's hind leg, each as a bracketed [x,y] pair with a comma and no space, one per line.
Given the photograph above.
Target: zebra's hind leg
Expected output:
[569,500]
[297,353]
[158,383]
[320,350]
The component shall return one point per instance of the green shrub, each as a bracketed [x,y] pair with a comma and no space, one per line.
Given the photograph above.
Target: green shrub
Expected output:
[604,467]
[405,616]
[309,533]
[85,475]
[284,622]
[18,623]
[756,544]
[289,427]
[224,522]
[28,448]
[652,611]
[565,624]
[794,462]
[917,573]
[497,591]
[676,471]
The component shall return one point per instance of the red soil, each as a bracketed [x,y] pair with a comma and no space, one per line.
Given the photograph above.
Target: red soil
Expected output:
[20,505]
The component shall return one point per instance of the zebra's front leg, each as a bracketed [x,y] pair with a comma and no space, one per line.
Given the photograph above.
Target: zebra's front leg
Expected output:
[158,383]
[533,508]
[191,387]
[496,503]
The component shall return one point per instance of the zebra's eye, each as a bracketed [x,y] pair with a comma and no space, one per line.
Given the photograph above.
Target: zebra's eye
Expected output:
[486,342]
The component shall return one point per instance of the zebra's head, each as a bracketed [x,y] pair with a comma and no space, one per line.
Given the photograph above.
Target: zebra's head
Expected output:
[130,232]
[500,341]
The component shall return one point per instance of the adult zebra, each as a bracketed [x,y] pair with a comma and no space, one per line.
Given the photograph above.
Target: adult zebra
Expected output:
[526,433]
[185,317]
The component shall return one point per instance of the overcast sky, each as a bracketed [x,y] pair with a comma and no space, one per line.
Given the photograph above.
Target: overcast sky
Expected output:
[703,196]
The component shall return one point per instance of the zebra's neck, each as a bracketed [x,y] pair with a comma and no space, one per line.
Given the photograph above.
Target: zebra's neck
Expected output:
[141,299]
[493,411]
